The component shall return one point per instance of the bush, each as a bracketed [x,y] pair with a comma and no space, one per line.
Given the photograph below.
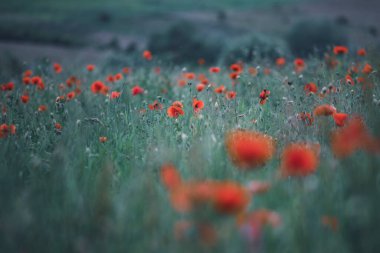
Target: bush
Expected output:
[183,43]
[254,47]
[307,37]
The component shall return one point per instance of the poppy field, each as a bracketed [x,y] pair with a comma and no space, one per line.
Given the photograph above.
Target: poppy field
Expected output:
[280,157]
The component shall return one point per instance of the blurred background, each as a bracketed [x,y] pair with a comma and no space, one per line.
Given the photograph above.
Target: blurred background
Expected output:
[181,31]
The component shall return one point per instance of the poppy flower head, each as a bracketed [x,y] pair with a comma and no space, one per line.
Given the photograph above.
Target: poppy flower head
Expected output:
[70,95]
[25,99]
[136,90]
[299,159]
[361,52]
[170,177]
[340,50]
[103,139]
[230,198]
[57,68]
[236,67]
[249,149]
[147,55]
[90,67]
[115,94]
[214,70]
[264,94]
[306,117]
[200,87]
[197,105]
[97,87]
[42,108]
[324,110]
[349,80]
[175,110]
[367,69]
[280,62]
[155,106]
[299,65]
[340,118]
[231,95]
[311,88]
[220,89]
[330,222]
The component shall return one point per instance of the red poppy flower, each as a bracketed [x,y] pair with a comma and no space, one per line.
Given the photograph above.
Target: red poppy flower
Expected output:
[170,177]
[330,222]
[236,67]
[58,126]
[231,95]
[220,89]
[249,149]
[280,62]
[70,95]
[299,65]
[200,87]
[264,94]
[362,52]
[310,88]
[175,110]
[42,108]
[115,94]
[197,105]
[230,198]
[147,55]
[214,70]
[349,80]
[155,106]
[90,67]
[324,110]
[57,68]
[97,87]
[339,50]
[299,159]
[340,118]
[136,90]
[103,139]
[367,69]
[25,99]
[306,118]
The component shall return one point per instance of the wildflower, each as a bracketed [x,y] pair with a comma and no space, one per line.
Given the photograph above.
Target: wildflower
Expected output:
[340,118]
[367,69]
[175,110]
[340,50]
[170,177]
[90,68]
[361,52]
[201,61]
[189,75]
[200,87]
[115,94]
[253,71]
[25,99]
[214,70]
[58,126]
[349,80]
[57,68]
[220,89]
[258,187]
[97,87]
[299,65]
[324,110]
[231,95]
[147,55]
[299,159]
[197,105]
[70,95]
[42,108]
[280,62]
[103,139]
[264,94]
[236,67]
[249,149]
[310,88]
[136,90]
[230,198]
[118,77]
[155,106]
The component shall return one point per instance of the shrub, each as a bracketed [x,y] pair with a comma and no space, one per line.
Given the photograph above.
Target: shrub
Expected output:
[307,37]
[183,43]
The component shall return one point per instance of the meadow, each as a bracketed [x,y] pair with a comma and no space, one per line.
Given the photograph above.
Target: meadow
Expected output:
[262,156]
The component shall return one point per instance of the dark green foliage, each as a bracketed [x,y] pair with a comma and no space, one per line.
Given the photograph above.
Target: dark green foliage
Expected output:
[309,37]
[183,43]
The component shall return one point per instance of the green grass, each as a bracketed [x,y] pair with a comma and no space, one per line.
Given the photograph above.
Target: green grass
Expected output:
[67,192]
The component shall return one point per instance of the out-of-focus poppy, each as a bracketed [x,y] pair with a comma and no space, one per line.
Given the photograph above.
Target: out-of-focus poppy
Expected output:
[249,149]
[299,159]
[136,90]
